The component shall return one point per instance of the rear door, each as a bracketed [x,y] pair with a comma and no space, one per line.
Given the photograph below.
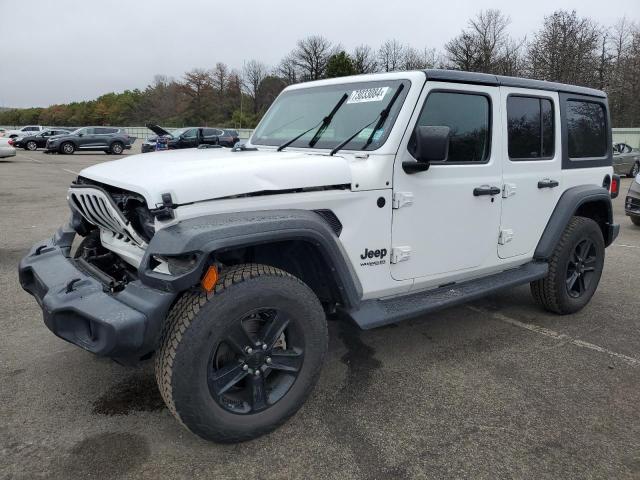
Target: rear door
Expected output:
[531,168]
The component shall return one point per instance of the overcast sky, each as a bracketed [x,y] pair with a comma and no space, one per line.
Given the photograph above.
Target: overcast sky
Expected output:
[56,52]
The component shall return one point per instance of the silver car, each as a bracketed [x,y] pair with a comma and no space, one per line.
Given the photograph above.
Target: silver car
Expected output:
[6,149]
[626,160]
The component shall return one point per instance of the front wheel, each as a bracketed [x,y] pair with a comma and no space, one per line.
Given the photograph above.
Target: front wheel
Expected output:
[238,362]
[31,145]
[635,220]
[574,268]
[67,148]
[635,170]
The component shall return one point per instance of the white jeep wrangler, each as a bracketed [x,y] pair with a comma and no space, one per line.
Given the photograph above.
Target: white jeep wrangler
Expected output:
[381,196]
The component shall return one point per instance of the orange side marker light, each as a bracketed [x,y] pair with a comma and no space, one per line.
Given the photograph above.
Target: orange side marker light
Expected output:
[210,279]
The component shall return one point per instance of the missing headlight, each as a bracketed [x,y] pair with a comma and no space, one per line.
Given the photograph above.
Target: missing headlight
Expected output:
[174,265]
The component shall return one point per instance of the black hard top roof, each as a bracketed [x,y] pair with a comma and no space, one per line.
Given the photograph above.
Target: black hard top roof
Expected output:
[456,76]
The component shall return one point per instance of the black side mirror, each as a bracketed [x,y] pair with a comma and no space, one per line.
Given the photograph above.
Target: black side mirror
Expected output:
[429,144]
[81,134]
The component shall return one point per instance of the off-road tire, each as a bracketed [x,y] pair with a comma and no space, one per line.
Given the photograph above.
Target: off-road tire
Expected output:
[116,148]
[551,292]
[635,220]
[195,324]
[67,148]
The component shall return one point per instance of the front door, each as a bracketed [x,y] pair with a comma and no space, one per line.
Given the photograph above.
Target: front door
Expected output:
[447,218]
[531,168]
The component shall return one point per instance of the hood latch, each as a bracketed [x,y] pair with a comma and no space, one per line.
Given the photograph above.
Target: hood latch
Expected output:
[164,211]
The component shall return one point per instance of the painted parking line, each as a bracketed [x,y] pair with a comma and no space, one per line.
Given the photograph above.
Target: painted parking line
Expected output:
[556,335]
[73,172]
[626,246]
[31,158]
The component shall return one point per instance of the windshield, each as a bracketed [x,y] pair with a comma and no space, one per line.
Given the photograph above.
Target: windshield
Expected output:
[296,111]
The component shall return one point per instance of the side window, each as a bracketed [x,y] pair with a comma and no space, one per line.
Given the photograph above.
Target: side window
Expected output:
[530,128]
[192,133]
[209,132]
[586,129]
[468,116]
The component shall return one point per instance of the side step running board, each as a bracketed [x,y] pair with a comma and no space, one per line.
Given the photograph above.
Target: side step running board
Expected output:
[375,313]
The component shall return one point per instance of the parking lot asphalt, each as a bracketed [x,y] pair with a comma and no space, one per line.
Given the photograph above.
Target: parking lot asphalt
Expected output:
[494,389]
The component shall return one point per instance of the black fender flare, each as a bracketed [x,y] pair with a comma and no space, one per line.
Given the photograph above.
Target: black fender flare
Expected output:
[568,204]
[205,235]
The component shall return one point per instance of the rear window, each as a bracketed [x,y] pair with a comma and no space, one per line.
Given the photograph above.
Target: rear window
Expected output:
[530,128]
[587,129]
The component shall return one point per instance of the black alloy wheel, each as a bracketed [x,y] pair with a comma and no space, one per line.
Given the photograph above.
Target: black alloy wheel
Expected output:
[580,268]
[256,362]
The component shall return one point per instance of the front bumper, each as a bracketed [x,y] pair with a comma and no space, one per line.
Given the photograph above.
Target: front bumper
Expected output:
[148,148]
[632,204]
[80,309]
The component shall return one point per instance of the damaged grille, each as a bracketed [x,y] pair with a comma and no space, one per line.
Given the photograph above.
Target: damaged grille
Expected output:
[97,207]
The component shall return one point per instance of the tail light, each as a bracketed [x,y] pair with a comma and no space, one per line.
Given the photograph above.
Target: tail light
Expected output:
[615,186]
[11,142]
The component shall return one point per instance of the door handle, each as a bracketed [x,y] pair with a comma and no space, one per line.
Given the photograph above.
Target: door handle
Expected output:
[548,183]
[486,190]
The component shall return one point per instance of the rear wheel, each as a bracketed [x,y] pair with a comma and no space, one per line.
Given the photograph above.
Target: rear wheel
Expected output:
[237,363]
[116,148]
[68,148]
[31,145]
[574,268]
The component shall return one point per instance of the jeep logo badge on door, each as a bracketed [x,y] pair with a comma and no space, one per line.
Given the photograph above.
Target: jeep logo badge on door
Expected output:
[376,257]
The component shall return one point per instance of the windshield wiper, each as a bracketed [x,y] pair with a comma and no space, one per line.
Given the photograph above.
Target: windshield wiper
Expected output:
[323,124]
[381,117]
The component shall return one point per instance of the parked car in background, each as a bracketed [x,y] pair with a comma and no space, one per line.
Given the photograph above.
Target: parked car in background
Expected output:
[6,149]
[191,137]
[632,202]
[27,130]
[39,140]
[626,160]
[106,139]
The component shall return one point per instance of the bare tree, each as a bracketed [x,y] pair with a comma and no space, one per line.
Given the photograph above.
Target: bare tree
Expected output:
[254,72]
[364,59]
[287,69]
[461,52]
[311,56]
[198,87]
[220,75]
[565,49]
[414,59]
[390,56]
[485,46]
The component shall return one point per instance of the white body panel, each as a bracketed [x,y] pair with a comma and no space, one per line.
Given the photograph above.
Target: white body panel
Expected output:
[526,212]
[448,228]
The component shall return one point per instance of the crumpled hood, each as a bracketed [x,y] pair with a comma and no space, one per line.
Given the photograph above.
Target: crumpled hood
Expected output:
[193,175]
